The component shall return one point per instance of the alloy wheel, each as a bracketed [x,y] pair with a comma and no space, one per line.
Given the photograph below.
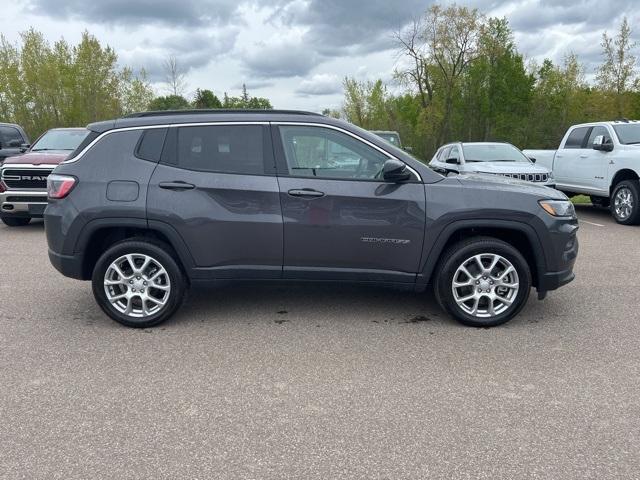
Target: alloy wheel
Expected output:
[623,203]
[485,285]
[137,285]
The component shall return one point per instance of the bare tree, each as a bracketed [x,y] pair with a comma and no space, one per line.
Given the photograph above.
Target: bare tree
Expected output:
[617,73]
[174,76]
[440,45]
[416,74]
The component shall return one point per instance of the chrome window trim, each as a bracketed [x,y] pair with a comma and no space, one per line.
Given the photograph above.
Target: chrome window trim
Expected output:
[206,124]
[357,137]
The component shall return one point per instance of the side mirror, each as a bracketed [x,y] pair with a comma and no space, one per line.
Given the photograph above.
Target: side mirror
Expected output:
[600,143]
[533,160]
[452,161]
[24,147]
[395,171]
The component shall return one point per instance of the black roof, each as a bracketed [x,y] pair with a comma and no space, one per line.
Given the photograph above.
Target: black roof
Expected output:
[164,113]
[203,116]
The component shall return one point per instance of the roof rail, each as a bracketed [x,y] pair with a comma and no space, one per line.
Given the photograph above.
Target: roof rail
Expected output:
[159,113]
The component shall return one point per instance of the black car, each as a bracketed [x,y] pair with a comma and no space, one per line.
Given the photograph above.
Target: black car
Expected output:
[155,202]
[13,140]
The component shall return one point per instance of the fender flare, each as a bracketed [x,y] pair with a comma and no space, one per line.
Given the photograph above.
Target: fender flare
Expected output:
[434,250]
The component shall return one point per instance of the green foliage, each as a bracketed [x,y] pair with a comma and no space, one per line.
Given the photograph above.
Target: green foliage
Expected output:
[206,99]
[169,102]
[464,80]
[44,86]
[246,101]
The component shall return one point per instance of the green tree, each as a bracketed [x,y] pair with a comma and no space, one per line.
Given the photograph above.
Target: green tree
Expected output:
[169,102]
[45,85]
[206,99]
[618,72]
[246,101]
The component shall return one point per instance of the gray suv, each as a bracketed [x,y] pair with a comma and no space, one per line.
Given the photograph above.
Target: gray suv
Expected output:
[155,202]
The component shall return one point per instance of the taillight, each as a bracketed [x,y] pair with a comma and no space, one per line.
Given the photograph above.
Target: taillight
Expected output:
[59,186]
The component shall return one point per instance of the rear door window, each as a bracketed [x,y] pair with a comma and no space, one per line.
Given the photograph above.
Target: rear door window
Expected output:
[576,138]
[151,143]
[222,149]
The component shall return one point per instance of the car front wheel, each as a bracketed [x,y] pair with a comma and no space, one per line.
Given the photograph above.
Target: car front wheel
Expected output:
[138,283]
[483,282]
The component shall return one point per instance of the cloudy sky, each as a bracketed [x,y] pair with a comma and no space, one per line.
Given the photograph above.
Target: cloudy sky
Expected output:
[296,52]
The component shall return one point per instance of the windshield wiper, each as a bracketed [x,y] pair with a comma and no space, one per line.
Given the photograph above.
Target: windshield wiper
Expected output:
[49,149]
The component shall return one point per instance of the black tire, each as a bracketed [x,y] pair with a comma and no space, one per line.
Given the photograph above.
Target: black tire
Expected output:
[600,202]
[16,221]
[633,186]
[164,256]
[456,256]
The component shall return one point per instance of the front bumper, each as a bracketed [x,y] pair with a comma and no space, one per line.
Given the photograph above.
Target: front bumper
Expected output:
[23,203]
[566,247]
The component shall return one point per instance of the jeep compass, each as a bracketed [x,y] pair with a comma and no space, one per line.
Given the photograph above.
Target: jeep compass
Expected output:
[158,201]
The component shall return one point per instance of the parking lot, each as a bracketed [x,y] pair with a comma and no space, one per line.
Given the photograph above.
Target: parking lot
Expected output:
[308,381]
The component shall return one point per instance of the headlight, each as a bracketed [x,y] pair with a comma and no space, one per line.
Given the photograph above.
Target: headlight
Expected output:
[558,208]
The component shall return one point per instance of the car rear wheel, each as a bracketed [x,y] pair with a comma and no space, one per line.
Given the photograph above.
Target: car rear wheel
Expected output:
[15,221]
[483,282]
[138,283]
[625,202]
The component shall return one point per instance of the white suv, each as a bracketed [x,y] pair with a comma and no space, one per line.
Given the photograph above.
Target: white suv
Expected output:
[491,158]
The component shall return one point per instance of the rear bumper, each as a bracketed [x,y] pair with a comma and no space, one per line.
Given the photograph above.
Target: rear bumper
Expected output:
[23,203]
[68,265]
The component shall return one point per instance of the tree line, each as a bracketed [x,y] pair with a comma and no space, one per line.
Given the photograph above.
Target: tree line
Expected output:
[462,78]
[44,85]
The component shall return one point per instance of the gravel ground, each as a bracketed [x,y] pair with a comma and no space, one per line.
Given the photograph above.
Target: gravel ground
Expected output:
[308,381]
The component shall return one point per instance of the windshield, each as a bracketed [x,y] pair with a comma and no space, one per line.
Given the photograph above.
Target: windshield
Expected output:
[59,140]
[392,138]
[500,152]
[628,134]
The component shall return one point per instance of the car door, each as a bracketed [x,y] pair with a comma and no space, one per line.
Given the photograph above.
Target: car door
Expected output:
[10,142]
[569,165]
[216,186]
[341,220]
[596,163]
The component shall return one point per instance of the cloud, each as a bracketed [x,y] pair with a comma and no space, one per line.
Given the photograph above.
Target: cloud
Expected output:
[192,50]
[320,84]
[278,59]
[136,12]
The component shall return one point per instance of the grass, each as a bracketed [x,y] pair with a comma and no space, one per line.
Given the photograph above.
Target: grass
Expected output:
[580,199]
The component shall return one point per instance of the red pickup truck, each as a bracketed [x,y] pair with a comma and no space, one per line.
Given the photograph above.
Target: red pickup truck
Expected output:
[23,178]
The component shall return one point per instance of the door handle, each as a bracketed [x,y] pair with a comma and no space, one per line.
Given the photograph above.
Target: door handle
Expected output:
[176,185]
[584,156]
[305,192]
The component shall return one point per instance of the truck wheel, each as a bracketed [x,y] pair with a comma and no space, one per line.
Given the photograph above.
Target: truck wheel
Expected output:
[15,221]
[138,283]
[483,282]
[625,202]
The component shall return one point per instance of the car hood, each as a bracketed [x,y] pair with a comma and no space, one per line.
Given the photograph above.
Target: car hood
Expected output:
[504,167]
[52,157]
[505,184]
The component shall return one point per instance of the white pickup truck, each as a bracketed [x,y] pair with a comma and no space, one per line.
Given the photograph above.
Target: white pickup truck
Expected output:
[601,160]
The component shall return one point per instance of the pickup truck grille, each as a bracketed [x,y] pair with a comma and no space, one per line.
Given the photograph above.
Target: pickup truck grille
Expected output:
[529,177]
[30,178]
